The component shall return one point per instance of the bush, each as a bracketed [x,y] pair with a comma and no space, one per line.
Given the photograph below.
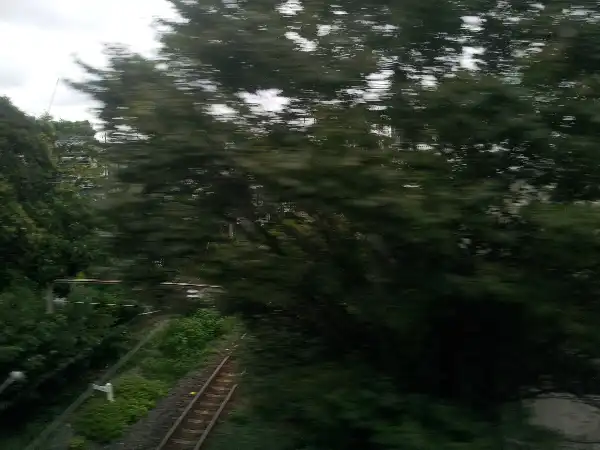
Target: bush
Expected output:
[53,350]
[188,337]
[102,421]
[172,353]
[182,345]
[77,443]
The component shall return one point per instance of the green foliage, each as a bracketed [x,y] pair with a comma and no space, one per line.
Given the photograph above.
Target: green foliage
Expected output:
[57,351]
[171,354]
[182,345]
[103,421]
[78,155]
[45,227]
[78,443]
[188,336]
[47,231]
[403,286]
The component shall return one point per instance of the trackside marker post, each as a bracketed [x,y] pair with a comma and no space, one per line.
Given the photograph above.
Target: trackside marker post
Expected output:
[108,388]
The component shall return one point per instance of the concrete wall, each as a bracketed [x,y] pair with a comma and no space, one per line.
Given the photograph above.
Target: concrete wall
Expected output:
[577,420]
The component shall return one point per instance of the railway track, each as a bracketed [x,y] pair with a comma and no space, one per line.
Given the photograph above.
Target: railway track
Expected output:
[190,430]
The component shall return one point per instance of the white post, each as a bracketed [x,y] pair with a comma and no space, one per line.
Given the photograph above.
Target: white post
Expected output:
[108,389]
[110,393]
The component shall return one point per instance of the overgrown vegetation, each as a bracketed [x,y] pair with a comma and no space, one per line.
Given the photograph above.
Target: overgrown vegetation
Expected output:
[172,353]
[103,421]
[413,257]
[48,230]
[60,353]
[416,246]
[52,179]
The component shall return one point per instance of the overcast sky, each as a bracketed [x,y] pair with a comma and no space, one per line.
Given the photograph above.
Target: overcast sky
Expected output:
[40,38]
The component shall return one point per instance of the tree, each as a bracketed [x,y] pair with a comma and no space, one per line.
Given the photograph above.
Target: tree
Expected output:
[411,283]
[45,224]
[77,154]
[47,231]
[83,171]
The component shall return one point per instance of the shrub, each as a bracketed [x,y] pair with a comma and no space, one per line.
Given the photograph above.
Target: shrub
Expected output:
[174,352]
[103,421]
[77,443]
[188,337]
[44,346]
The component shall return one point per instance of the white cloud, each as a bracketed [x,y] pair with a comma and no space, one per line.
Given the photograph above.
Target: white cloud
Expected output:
[40,39]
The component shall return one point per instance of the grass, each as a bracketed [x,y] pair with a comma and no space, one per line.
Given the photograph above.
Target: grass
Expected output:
[102,421]
[181,347]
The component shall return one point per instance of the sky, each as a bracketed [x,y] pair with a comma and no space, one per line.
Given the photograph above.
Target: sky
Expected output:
[40,39]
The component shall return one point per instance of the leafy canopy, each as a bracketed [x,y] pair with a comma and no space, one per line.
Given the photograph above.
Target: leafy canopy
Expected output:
[46,225]
[412,255]
[47,231]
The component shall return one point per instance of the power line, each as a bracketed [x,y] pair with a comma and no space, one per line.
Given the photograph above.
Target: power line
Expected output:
[191,293]
[98,281]
[51,300]
[45,434]
[64,301]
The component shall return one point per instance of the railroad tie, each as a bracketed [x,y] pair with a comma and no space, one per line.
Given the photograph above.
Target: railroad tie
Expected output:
[190,431]
[185,442]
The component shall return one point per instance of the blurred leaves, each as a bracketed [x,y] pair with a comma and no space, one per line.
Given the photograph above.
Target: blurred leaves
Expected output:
[48,230]
[413,256]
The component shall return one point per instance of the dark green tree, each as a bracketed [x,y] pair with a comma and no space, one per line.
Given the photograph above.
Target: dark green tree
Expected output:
[46,225]
[47,231]
[413,255]
[78,155]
